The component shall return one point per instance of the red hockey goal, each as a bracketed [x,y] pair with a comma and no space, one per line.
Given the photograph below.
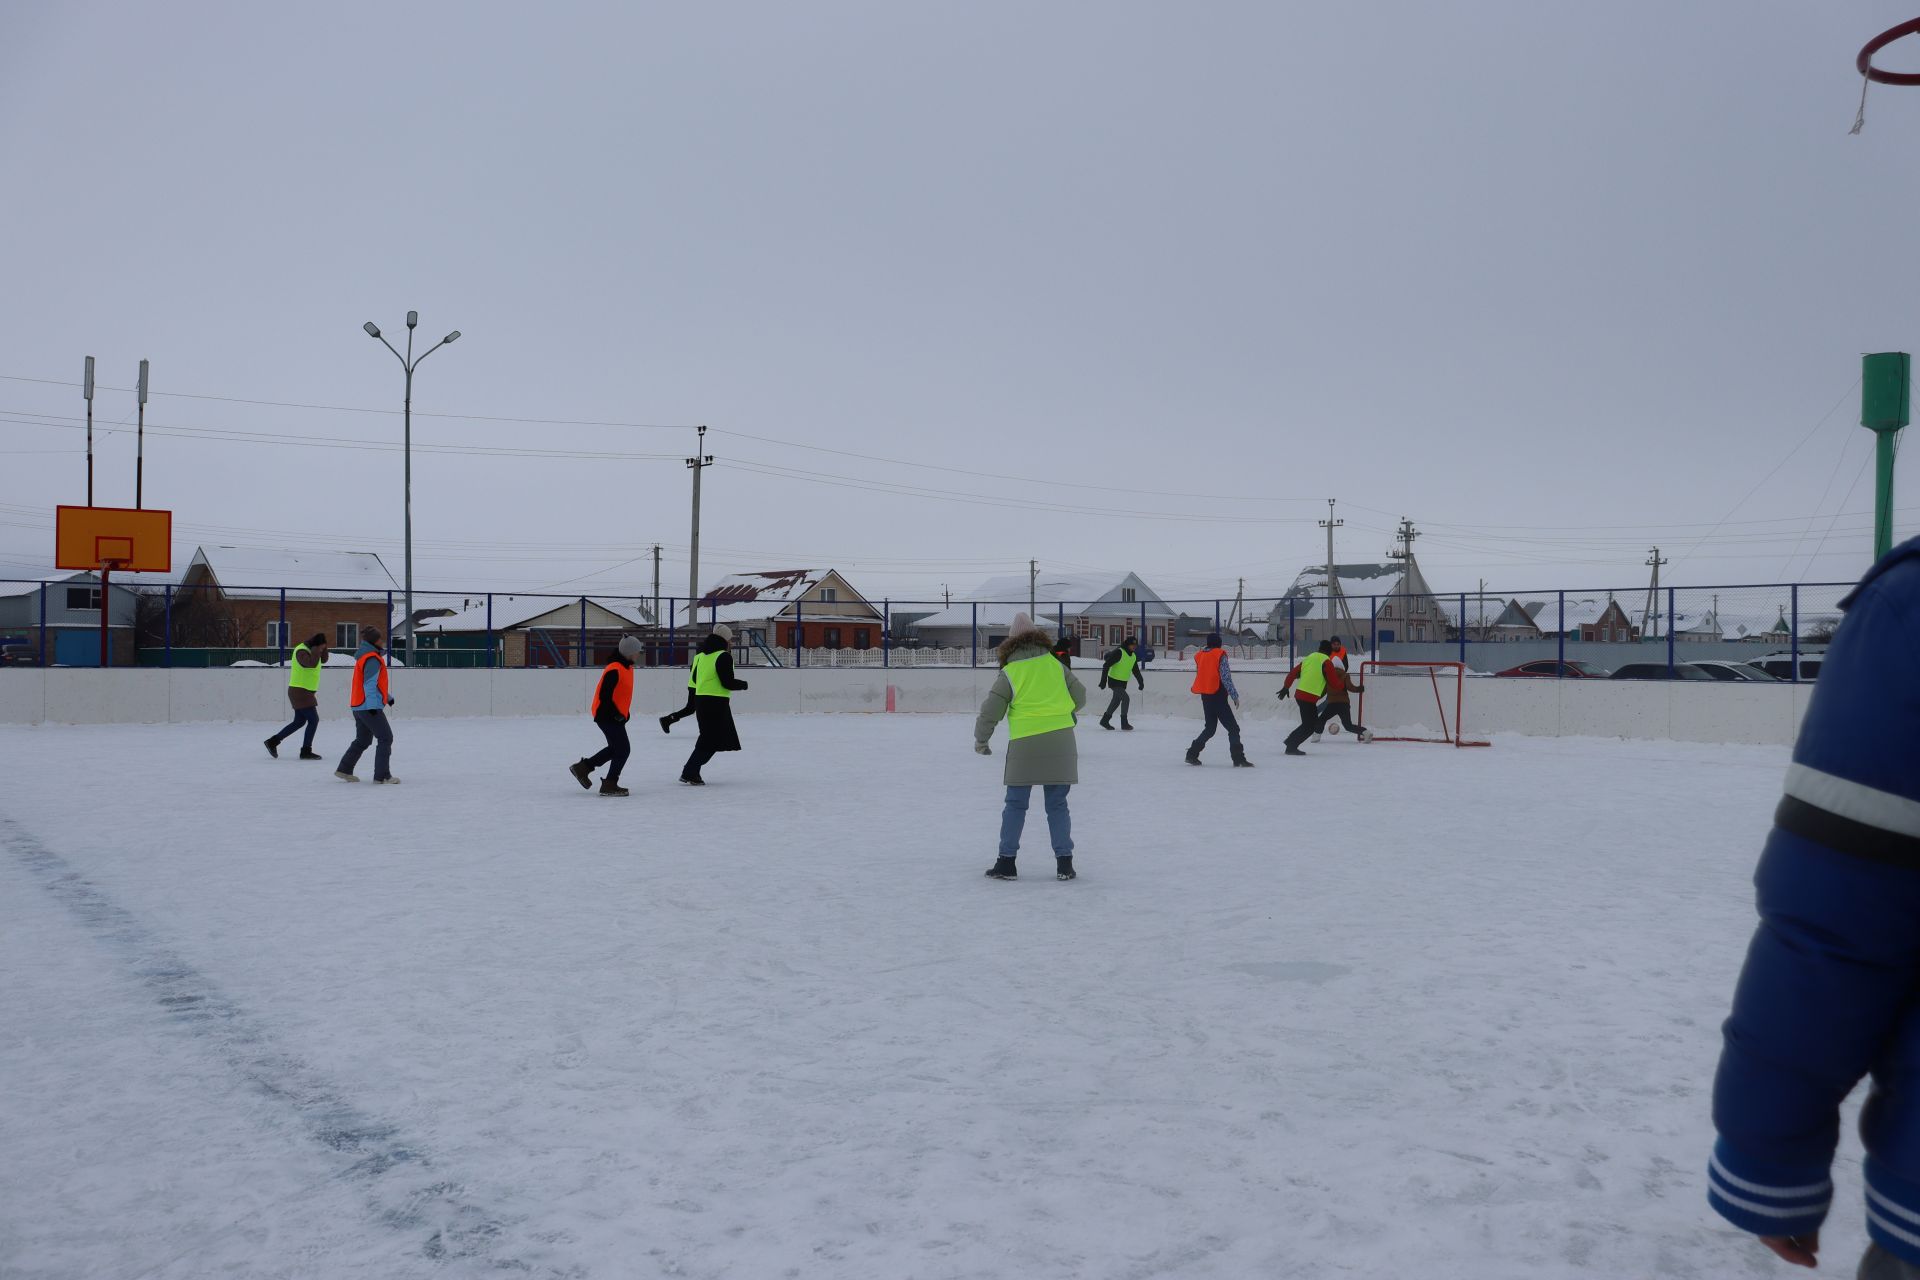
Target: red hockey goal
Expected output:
[1405,675]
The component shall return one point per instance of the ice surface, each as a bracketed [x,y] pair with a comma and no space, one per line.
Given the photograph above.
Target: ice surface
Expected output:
[1384,1011]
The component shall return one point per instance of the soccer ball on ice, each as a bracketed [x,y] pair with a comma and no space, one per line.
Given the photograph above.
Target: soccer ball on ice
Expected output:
[1333,728]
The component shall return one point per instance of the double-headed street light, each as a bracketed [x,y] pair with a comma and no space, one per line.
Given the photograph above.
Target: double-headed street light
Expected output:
[409,363]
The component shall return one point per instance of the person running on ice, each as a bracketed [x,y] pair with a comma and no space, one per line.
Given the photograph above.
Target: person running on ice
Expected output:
[1038,698]
[1213,681]
[713,688]
[303,694]
[1122,664]
[1311,674]
[612,707]
[1339,704]
[1831,987]
[367,695]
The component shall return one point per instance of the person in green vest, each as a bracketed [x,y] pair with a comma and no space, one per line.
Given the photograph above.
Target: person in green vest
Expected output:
[1308,683]
[713,686]
[1122,665]
[1038,699]
[303,691]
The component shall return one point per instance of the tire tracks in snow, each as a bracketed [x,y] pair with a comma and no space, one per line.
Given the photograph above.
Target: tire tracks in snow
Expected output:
[405,1192]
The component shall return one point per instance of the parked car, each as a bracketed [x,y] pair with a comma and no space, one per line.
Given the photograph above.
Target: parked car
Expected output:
[1659,671]
[1780,665]
[1734,671]
[1555,667]
[16,652]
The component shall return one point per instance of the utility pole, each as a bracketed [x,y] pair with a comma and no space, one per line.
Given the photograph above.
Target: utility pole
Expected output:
[946,595]
[140,448]
[1650,616]
[87,391]
[656,584]
[1033,583]
[1238,597]
[1336,601]
[1406,533]
[1886,380]
[700,461]
[1483,610]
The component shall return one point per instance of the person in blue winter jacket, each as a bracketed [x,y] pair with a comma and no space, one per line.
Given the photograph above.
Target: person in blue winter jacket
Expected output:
[1831,988]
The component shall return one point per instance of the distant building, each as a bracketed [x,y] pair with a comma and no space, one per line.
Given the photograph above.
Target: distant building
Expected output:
[232,598]
[784,607]
[1096,610]
[545,631]
[1392,598]
[1590,618]
[72,626]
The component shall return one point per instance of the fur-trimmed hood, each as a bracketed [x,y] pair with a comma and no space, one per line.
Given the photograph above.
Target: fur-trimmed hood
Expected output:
[1022,645]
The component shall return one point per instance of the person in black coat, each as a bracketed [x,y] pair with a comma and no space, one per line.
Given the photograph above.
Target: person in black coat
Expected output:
[714,685]
[612,707]
[1117,668]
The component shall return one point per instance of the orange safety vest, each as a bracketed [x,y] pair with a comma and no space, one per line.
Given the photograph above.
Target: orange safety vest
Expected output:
[622,689]
[357,696]
[1206,670]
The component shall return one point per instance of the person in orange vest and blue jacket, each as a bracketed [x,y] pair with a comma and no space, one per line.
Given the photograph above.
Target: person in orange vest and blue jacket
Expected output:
[611,707]
[369,698]
[1213,681]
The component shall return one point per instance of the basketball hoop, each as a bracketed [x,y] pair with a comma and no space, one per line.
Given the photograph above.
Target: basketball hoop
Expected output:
[1870,74]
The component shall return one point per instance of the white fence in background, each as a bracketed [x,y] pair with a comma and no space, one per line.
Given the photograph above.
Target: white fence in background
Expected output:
[1654,710]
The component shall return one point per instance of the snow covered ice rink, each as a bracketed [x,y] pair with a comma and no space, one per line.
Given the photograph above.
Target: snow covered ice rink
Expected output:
[1387,1011]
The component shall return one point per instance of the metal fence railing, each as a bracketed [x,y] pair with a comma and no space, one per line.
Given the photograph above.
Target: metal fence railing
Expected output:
[1692,632]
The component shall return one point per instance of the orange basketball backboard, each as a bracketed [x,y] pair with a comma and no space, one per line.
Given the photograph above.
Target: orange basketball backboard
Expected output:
[131,541]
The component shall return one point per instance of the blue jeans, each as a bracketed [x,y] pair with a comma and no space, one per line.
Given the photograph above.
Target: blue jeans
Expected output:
[1013,819]
[303,717]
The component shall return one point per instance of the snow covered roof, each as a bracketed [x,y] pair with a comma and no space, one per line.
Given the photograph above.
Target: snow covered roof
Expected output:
[772,593]
[252,573]
[1088,595]
[516,611]
[1357,582]
[1582,611]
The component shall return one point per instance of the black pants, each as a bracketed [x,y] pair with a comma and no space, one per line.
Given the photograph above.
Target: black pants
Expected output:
[701,754]
[1343,712]
[1218,709]
[308,716]
[370,727]
[1311,718]
[617,750]
[1121,700]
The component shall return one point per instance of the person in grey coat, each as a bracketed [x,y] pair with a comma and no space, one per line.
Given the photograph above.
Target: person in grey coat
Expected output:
[1038,698]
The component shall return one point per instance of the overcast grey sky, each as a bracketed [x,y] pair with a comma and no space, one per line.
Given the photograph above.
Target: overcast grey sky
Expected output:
[1557,281]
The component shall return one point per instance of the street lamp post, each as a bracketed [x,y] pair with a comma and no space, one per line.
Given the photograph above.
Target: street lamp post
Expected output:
[408,363]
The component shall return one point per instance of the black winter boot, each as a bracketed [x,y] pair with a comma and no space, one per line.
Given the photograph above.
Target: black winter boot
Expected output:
[666,724]
[1063,868]
[273,747]
[1105,725]
[1193,755]
[608,787]
[309,755]
[1240,760]
[582,773]
[1003,869]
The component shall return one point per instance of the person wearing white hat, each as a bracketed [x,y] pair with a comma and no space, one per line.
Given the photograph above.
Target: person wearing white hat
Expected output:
[1038,698]
[713,685]
[612,707]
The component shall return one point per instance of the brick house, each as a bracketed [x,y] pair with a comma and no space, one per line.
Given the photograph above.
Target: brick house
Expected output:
[777,607]
[545,631]
[243,598]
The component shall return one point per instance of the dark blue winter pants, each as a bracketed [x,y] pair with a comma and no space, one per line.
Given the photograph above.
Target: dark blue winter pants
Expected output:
[308,716]
[369,726]
[616,751]
[1217,707]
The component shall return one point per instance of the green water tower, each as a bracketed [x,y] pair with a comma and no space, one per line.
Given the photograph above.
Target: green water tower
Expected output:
[1886,381]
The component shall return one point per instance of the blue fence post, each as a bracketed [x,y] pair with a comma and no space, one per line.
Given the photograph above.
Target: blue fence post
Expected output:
[886,633]
[1669,633]
[1373,623]
[283,626]
[1290,641]
[1141,639]
[799,633]
[1796,633]
[673,631]
[1062,637]
[580,655]
[43,625]
[490,640]
[169,624]
[1216,615]
[1560,667]
[1463,628]
[973,661]
[389,626]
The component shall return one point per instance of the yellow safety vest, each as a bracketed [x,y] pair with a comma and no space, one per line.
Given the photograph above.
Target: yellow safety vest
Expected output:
[300,677]
[1122,669]
[1041,701]
[1313,674]
[706,677]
